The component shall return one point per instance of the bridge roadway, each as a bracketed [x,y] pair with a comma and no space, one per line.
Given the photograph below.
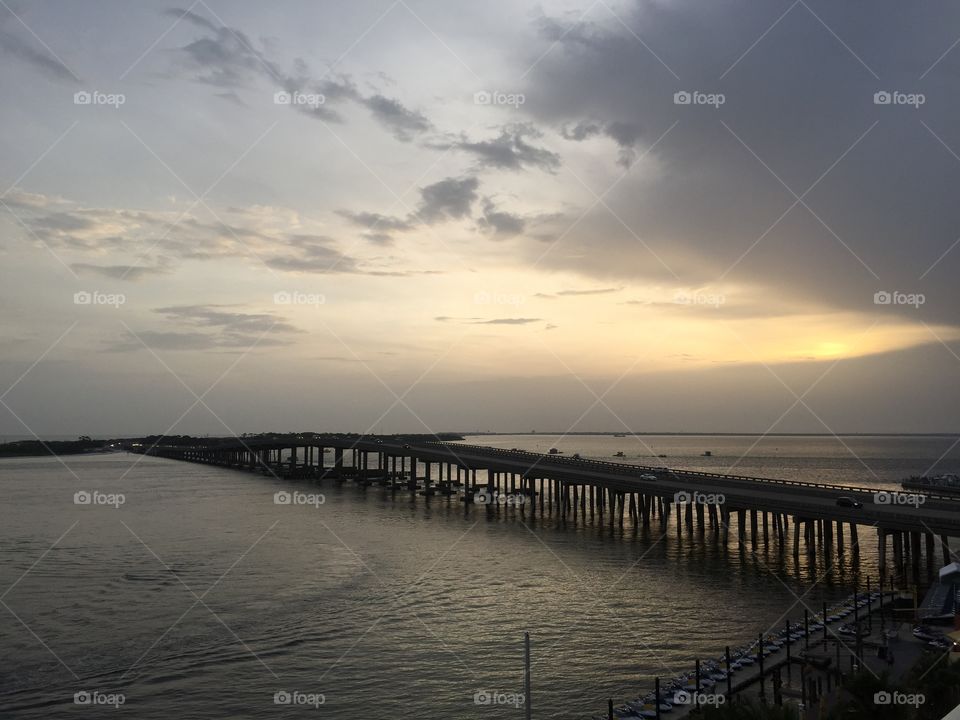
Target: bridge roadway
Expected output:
[939,514]
[610,486]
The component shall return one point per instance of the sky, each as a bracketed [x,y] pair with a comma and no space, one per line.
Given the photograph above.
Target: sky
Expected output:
[422,216]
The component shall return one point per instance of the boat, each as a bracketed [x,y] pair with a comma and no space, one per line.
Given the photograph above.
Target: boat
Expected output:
[618,454]
[707,453]
[554,451]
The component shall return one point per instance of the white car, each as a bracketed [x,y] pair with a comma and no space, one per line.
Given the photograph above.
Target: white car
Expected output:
[648,476]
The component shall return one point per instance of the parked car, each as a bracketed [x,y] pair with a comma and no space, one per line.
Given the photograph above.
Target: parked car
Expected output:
[848,502]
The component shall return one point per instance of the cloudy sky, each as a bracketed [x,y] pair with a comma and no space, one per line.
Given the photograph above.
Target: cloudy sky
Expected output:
[429,215]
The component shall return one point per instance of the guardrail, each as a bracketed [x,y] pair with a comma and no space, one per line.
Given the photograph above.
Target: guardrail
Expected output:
[628,469]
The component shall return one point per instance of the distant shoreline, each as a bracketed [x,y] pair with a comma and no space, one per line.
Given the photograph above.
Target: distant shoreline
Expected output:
[90,446]
[710,434]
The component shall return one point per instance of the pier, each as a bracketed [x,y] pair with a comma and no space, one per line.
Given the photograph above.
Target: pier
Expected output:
[805,663]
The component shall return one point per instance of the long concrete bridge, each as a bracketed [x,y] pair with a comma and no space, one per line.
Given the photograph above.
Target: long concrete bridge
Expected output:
[756,509]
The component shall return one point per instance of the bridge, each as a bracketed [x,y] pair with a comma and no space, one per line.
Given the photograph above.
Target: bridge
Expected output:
[756,509]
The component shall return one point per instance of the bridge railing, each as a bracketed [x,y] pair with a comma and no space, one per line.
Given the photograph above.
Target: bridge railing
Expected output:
[629,469]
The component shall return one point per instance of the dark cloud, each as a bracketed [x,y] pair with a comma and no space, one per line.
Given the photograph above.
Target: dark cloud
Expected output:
[713,197]
[625,134]
[405,124]
[510,150]
[227,58]
[376,221]
[451,198]
[500,223]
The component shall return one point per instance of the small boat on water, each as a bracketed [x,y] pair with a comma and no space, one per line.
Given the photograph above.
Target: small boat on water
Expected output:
[554,451]
[707,453]
[618,454]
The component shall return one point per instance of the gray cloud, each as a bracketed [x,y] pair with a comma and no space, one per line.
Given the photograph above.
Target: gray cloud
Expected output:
[313,254]
[509,321]
[94,232]
[227,58]
[223,317]
[481,321]
[404,123]
[379,226]
[510,150]
[625,134]
[376,221]
[451,198]
[500,223]
[209,327]
[576,293]
[123,272]
[705,205]
[16,42]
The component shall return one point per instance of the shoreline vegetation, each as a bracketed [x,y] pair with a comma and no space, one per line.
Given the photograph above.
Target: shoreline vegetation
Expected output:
[85,445]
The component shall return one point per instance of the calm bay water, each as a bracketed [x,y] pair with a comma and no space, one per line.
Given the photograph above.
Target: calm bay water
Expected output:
[199,597]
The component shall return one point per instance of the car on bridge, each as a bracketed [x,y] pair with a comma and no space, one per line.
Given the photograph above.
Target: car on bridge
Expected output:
[848,502]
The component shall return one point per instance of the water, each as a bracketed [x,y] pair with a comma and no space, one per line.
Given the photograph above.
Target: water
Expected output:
[199,597]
